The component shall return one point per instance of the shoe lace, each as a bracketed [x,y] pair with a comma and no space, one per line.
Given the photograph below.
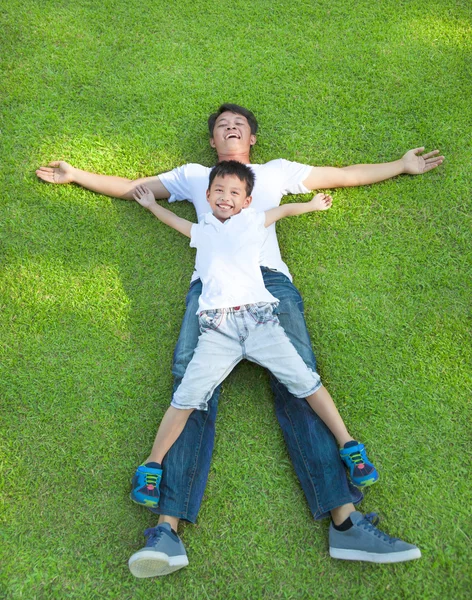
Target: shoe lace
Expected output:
[356,458]
[368,524]
[373,518]
[153,534]
[152,479]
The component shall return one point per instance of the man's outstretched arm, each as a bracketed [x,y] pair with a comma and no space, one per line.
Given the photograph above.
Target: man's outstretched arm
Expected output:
[109,185]
[413,163]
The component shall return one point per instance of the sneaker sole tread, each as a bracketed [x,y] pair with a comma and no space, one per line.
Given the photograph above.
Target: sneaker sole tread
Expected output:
[374,557]
[149,563]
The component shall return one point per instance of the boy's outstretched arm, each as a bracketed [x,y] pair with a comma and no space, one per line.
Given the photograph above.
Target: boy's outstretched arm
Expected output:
[118,187]
[413,163]
[318,202]
[145,197]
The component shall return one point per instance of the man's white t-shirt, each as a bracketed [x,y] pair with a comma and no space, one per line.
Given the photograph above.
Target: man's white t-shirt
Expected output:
[228,260]
[274,180]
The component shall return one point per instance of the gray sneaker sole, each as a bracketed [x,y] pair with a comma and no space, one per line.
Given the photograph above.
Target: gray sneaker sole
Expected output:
[390,557]
[149,563]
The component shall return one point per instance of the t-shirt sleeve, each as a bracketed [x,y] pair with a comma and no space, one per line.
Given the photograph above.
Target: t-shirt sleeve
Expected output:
[195,235]
[177,184]
[260,220]
[257,221]
[293,174]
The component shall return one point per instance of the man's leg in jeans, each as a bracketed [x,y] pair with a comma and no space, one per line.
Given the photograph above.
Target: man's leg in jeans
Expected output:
[314,453]
[185,467]
[312,447]
[187,464]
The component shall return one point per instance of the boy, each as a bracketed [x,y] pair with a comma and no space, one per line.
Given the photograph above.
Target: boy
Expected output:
[237,317]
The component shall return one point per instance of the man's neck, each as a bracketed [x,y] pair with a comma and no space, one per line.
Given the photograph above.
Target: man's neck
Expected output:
[242,157]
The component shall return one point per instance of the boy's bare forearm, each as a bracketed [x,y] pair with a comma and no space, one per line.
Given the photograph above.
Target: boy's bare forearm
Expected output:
[172,220]
[318,202]
[143,195]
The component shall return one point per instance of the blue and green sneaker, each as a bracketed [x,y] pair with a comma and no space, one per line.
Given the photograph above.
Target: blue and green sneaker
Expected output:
[145,485]
[361,470]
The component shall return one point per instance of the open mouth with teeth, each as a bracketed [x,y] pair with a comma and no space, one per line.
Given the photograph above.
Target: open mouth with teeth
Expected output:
[232,136]
[224,206]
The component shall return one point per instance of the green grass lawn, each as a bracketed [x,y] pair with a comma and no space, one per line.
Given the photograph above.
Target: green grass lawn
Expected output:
[92,289]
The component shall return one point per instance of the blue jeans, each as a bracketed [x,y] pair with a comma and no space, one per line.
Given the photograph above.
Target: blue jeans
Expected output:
[312,447]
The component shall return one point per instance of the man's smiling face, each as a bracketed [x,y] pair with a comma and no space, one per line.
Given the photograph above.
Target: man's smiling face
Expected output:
[227,196]
[232,132]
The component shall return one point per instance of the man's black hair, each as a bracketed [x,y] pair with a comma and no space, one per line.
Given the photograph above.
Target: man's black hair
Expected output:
[237,110]
[233,167]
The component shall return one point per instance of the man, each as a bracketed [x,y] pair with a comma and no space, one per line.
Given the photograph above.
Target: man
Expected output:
[352,536]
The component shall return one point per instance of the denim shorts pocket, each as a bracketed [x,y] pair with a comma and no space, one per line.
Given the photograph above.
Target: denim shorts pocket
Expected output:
[262,313]
[209,319]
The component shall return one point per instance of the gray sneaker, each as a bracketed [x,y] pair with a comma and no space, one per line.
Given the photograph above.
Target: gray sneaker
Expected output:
[164,553]
[363,541]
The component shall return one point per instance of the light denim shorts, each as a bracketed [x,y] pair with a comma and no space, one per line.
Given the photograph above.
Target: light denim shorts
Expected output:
[226,337]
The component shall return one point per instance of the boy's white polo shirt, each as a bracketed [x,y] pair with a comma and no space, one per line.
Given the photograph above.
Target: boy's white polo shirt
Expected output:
[228,260]
[273,180]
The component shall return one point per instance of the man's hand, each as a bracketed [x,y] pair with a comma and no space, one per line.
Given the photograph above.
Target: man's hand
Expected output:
[320,202]
[56,172]
[144,196]
[417,165]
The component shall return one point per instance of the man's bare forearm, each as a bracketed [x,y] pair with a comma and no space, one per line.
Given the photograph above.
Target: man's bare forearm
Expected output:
[413,162]
[61,172]
[366,174]
[109,185]
[333,177]
[117,187]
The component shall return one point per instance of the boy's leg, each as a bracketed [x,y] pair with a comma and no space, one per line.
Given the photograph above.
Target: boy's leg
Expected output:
[270,346]
[187,463]
[172,424]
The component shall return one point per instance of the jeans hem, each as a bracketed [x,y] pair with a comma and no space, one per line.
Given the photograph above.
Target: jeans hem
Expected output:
[326,513]
[174,513]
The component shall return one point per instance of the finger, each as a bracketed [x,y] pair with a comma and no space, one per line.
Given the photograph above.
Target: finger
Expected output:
[429,154]
[54,163]
[417,150]
[437,160]
[45,175]
[431,166]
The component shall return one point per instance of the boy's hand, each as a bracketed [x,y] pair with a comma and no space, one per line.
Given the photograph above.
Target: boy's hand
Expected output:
[144,196]
[321,202]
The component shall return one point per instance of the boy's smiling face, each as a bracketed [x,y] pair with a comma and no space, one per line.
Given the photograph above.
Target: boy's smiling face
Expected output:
[227,196]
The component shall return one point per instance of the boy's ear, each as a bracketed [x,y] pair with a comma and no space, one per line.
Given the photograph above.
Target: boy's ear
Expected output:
[208,194]
[247,202]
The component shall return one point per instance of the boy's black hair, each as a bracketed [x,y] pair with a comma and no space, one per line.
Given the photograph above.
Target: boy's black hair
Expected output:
[233,167]
[237,110]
